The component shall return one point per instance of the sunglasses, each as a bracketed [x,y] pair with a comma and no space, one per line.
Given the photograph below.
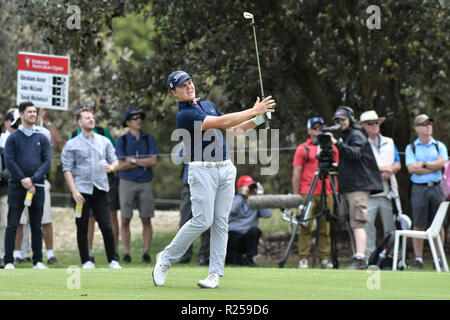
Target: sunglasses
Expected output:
[371,123]
[316,127]
[426,123]
[135,118]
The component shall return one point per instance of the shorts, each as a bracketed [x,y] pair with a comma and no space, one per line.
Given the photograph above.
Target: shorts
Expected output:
[357,206]
[47,215]
[425,202]
[131,192]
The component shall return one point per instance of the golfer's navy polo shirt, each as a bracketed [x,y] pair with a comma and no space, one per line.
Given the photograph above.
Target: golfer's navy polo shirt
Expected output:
[188,113]
[142,148]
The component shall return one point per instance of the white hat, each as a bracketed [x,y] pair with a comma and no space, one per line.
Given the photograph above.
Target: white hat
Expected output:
[370,115]
[16,116]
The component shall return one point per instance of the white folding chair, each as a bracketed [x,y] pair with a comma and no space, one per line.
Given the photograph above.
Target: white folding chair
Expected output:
[430,234]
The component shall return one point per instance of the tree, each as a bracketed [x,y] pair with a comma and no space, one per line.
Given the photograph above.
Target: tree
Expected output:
[315,56]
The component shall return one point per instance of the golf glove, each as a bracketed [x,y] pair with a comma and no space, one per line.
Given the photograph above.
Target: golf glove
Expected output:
[259,119]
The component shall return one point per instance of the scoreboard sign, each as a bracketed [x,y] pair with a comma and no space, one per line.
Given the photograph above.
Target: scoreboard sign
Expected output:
[44,80]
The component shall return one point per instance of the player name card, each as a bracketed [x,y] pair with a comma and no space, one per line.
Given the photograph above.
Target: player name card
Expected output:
[44,80]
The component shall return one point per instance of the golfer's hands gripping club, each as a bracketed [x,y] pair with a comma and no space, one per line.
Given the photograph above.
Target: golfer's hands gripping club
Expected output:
[261,107]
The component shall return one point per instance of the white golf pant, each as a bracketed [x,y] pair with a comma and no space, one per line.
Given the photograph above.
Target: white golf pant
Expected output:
[212,192]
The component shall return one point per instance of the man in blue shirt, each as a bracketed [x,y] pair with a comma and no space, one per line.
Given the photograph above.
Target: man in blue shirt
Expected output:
[425,158]
[211,174]
[137,154]
[28,159]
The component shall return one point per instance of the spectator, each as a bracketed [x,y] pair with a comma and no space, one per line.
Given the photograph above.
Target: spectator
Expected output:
[358,177]
[305,166]
[211,175]
[243,231]
[425,158]
[388,161]
[137,154]
[4,176]
[185,216]
[86,159]
[28,166]
[22,250]
[113,193]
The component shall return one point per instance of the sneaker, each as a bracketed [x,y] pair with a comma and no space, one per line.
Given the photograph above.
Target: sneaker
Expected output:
[40,265]
[326,264]
[203,261]
[9,266]
[357,264]
[303,264]
[88,265]
[211,282]
[18,260]
[417,265]
[249,262]
[126,258]
[146,258]
[53,261]
[114,265]
[160,270]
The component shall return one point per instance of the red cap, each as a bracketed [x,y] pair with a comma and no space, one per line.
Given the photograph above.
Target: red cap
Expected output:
[244,181]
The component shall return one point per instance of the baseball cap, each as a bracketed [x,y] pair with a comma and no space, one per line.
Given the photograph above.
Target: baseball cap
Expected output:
[341,113]
[244,181]
[313,120]
[421,118]
[16,117]
[132,112]
[176,79]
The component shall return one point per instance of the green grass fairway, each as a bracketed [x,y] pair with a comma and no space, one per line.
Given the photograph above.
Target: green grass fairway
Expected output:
[239,283]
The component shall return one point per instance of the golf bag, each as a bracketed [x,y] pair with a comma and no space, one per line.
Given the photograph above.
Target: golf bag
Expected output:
[382,256]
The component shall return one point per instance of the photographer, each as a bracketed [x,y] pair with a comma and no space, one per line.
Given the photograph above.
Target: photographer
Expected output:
[359,176]
[243,231]
[305,165]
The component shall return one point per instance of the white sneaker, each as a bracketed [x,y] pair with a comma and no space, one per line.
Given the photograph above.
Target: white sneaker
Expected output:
[303,264]
[211,282]
[326,264]
[88,265]
[114,265]
[160,270]
[9,266]
[40,265]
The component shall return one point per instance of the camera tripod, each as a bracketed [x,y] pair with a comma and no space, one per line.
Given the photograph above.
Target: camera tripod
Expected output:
[321,174]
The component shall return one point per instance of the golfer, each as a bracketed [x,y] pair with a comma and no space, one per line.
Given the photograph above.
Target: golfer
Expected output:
[211,174]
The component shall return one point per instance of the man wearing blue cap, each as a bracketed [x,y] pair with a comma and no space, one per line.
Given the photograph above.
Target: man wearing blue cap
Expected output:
[137,154]
[305,166]
[211,174]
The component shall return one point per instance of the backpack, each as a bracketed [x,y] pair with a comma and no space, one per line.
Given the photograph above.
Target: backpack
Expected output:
[124,140]
[100,131]
[445,182]
[386,245]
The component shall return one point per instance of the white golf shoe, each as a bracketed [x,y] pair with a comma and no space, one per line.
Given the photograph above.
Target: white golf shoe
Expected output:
[88,265]
[114,265]
[160,270]
[9,266]
[40,265]
[211,282]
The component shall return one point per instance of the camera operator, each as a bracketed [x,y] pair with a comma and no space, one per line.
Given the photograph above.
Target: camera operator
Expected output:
[358,177]
[305,165]
[243,231]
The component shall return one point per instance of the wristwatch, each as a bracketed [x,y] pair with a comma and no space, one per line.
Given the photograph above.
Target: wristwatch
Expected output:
[133,161]
[424,165]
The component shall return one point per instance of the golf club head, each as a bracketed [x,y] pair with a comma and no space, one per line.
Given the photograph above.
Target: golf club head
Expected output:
[248,15]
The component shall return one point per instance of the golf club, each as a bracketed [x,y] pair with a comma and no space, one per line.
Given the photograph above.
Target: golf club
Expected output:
[248,15]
